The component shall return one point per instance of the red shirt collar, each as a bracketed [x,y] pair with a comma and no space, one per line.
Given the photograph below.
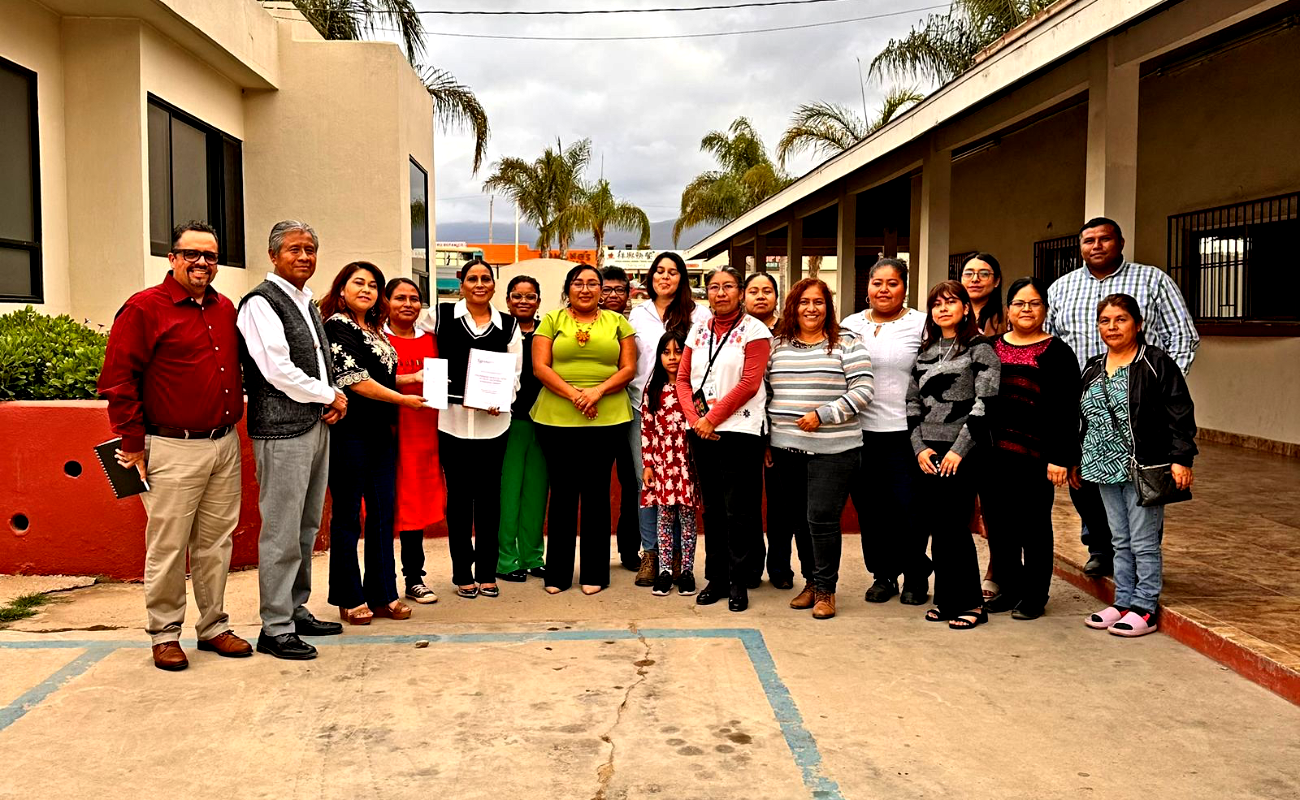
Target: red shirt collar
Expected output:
[179,294]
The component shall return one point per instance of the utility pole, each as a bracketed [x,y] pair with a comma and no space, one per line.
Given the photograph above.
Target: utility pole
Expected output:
[491,202]
[862,87]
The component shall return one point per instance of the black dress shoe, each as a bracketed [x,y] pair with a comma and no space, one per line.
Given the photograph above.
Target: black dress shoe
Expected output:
[287,646]
[314,627]
[710,595]
[1000,602]
[631,563]
[518,576]
[538,572]
[739,599]
[882,590]
[783,582]
[914,597]
[754,582]
[1099,566]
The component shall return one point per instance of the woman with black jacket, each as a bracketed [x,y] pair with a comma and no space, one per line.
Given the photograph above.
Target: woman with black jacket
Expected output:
[1135,407]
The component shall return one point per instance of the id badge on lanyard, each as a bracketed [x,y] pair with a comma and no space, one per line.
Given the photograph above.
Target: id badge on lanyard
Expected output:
[707,395]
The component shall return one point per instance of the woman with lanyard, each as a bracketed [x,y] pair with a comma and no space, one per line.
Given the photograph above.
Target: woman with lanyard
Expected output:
[882,490]
[472,441]
[671,307]
[718,384]
[524,481]
[421,495]
[584,356]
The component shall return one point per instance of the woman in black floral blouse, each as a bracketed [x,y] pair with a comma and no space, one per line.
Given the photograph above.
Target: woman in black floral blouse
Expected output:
[363,446]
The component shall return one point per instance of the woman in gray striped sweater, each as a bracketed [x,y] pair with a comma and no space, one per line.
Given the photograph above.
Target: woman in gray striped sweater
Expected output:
[819,379]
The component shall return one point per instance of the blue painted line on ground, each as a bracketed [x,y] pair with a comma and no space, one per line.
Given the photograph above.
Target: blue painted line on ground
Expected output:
[797,736]
[33,696]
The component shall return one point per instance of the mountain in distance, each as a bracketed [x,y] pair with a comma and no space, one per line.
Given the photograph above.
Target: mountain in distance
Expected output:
[503,232]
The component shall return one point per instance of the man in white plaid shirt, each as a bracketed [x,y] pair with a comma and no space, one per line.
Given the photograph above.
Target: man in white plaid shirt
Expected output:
[1072,315]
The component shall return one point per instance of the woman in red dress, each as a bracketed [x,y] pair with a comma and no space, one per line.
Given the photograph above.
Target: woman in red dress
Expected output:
[421,494]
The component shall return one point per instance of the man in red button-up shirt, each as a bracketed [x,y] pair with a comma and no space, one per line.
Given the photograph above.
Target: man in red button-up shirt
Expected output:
[172,380]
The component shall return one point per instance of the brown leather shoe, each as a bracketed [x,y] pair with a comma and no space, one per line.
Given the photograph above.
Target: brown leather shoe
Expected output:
[227,644]
[645,576]
[804,599]
[170,656]
[825,605]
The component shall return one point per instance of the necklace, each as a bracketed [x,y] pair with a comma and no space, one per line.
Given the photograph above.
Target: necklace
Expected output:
[871,317]
[583,335]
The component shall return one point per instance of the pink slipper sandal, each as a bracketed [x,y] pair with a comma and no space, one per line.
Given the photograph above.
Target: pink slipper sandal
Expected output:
[1104,619]
[1133,624]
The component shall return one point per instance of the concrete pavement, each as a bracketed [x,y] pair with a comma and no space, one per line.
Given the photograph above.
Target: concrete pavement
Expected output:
[625,695]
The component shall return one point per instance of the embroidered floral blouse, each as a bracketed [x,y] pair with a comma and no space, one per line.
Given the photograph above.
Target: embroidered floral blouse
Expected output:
[361,355]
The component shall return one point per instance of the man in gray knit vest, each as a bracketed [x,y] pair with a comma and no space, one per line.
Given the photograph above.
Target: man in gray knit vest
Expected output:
[292,401]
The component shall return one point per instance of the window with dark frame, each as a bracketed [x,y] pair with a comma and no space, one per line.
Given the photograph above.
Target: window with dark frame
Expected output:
[955,262]
[1232,263]
[20,194]
[1055,257]
[420,228]
[195,172]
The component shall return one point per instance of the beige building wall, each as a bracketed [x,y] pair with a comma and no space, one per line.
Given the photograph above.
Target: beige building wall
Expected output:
[1191,119]
[31,37]
[1027,188]
[327,130]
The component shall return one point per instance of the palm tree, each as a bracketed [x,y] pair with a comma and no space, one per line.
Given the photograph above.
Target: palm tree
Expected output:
[945,45]
[830,129]
[599,211]
[526,185]
[746,178]
[563,168]
[454,104]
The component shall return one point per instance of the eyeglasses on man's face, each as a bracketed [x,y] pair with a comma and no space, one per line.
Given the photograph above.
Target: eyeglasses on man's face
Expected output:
[522,297]
[192,256]
[614,290]
[1032,305]
[982,274]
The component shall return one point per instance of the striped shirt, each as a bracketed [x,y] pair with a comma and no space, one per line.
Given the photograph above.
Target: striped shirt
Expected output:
[1072,311]
[837,385]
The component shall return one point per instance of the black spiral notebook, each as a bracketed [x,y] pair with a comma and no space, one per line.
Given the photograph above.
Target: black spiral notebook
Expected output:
[126,481]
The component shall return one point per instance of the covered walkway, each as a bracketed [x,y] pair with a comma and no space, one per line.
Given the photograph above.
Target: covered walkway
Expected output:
[1232,564]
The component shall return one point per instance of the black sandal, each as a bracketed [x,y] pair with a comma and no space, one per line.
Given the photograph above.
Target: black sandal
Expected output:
[968,619]
[469,593]
[489,591]
[935,615]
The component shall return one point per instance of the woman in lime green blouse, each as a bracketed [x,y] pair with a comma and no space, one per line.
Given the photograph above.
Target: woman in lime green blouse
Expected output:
[584,356]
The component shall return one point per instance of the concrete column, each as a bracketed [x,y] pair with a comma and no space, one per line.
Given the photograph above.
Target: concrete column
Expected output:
[793,271]
[736,257]
[914,241]
[846,246]
[1110,188]
[936,202]
[760,253]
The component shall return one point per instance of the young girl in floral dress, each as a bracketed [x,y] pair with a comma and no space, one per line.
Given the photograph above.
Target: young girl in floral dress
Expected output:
[668,478]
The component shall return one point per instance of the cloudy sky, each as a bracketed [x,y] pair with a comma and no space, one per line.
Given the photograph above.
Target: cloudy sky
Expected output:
[645,104]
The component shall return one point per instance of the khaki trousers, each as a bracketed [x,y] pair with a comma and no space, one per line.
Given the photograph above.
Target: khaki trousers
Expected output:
[193,504]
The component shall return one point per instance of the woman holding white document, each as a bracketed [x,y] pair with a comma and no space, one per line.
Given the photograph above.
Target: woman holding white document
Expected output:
[474,337]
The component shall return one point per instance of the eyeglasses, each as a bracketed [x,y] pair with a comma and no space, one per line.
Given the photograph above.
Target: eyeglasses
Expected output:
[519,297]
[722,288]
[192,256]
[614,290]
[982,274]
[1032,305]
[593,285]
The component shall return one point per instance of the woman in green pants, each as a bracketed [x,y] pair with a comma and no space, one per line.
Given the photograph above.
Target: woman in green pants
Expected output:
[523,478]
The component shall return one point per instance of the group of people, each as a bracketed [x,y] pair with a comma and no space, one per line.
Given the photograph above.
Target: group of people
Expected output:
[927,419]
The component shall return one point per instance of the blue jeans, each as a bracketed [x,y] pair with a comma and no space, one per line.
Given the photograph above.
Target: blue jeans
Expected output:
[1135,533]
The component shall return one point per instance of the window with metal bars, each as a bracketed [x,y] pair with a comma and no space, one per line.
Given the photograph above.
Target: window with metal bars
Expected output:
[1055,257]
[954,264]
[1231,261]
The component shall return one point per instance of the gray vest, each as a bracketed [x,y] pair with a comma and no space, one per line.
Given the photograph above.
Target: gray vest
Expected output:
[271,413]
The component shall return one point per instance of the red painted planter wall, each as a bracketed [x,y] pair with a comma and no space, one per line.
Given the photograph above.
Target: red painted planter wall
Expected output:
[73,523]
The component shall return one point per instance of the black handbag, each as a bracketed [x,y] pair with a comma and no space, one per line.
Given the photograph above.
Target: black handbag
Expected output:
[1155,485]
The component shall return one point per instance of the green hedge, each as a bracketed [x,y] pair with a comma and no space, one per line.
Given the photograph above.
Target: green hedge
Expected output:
[48,358]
